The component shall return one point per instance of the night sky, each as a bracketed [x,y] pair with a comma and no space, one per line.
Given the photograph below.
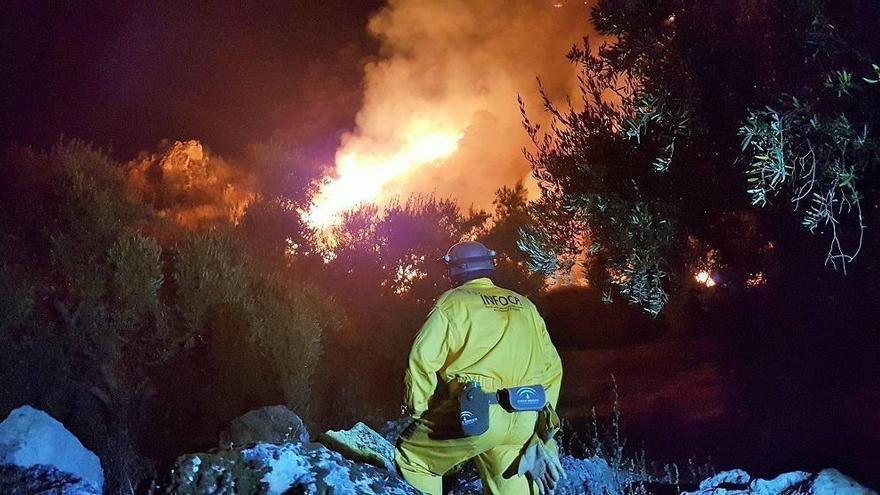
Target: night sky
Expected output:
[125,75]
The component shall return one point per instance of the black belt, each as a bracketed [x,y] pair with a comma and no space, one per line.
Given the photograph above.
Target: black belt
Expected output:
[474,404]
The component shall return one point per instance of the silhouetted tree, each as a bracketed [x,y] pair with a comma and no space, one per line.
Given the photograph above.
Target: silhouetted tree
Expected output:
[101,292]
[641,176]
[511,214]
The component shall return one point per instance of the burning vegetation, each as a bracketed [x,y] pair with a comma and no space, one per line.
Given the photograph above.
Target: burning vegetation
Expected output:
[439,107]
[146,302]
[189,186]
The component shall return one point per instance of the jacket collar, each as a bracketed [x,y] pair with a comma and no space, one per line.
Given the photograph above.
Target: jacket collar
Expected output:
[478,282]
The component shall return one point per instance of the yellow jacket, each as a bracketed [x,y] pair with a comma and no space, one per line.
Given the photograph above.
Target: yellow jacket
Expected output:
[481,332]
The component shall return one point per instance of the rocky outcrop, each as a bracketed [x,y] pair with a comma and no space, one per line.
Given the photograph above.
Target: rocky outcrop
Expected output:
[270,469]
[394,428]
[361,461]
[271,424]
[825,482]
[31,438]
[188,185]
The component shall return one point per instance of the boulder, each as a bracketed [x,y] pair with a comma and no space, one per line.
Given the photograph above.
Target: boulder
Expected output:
[361,444]
[738,482]
[833,482]
[780,484]
[43,480]
[305,468]
[354,461]
[733,478]
[30,437]
[271,424]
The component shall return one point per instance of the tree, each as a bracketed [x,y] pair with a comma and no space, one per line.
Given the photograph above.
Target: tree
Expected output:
[273,223]
[641,179]
[100,294]
[815,150]
[510,215]
[96,283]
[396,250]
[280,317]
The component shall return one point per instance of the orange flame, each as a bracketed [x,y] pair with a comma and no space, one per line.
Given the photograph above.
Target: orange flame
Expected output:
[443,93]
[364,177]
[705,278]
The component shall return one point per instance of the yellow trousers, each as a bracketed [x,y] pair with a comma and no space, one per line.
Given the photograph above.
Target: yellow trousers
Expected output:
[433,445]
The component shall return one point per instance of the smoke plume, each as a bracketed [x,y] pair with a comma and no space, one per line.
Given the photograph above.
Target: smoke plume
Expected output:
[439,110]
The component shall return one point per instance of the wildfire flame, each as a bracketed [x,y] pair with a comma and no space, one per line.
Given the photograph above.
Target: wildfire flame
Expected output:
[363,177]
[705,278]
[439,104]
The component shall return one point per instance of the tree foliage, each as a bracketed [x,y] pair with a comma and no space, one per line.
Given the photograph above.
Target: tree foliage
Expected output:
[815,153]
[644,167]
[98,274]
[510,214]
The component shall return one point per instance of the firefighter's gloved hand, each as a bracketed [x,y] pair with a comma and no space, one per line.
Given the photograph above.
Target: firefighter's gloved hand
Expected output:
[541,465]
[548,424]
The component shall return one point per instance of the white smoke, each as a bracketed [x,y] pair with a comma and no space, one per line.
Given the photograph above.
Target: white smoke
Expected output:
[456,67]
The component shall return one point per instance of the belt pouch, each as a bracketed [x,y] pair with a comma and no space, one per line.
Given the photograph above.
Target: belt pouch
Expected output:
[526,398]
[473,410]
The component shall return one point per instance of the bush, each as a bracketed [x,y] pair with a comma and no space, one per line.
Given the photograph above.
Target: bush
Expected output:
[116,292]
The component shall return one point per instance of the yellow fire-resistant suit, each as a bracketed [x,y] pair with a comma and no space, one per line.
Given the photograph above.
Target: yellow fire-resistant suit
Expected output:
[484,333]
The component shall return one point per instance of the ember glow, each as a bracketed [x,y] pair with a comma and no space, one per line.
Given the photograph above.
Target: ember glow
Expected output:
[756,280]
[705,278]
[361,178]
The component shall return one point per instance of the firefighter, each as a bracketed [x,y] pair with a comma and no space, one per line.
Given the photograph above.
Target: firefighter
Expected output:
[486,344]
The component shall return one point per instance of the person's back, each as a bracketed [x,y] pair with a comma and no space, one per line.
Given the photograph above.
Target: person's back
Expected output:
[476,332]
[497,338]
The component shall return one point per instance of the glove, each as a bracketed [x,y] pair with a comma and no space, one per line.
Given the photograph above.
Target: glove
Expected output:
[540,465]
[548,423]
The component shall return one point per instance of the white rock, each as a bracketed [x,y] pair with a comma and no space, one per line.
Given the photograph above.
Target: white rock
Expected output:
[30,437]
[287,468]
[827,482]
[778,484]
[733,477]
[833,482]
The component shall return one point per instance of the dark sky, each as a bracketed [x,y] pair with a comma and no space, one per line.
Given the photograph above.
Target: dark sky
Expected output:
[128,74]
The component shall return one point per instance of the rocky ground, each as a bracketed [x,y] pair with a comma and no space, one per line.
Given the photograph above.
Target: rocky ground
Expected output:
[269,451]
